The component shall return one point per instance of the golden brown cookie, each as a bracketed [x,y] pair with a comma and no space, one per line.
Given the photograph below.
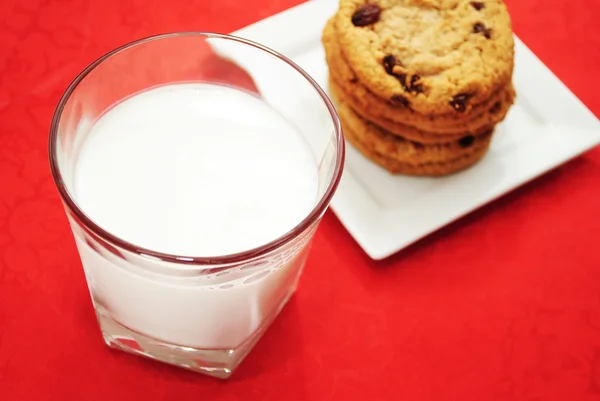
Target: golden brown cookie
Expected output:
[440,56]
[426,169]
[418,157]
[405,131]
[384,112]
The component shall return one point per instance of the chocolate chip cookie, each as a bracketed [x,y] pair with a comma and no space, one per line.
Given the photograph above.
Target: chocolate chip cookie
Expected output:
[432,56]
[386,112]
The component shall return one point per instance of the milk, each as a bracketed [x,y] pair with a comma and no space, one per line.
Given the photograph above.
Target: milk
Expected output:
[194,170]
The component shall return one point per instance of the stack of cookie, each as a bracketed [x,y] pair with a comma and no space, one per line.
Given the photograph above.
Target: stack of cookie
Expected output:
[420,84]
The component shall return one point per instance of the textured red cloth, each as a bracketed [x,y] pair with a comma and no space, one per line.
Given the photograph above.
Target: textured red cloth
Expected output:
[503,305]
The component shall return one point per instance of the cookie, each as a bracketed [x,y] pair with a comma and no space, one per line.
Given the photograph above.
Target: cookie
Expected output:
[384,112]
[438,56]
[404,131]
[404,151]
[425,169]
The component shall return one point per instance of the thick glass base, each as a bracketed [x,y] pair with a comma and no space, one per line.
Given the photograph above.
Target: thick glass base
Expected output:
[219,363]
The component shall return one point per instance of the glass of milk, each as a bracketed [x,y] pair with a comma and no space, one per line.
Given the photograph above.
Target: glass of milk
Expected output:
[194,169]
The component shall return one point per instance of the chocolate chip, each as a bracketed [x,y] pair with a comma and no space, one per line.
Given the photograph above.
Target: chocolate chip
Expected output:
[466,141]
[399,99]
[354,80]
[477,5]
[402,78]
[479,27]
[366,14]
[414,86]
[389,62]
[459,102]
[482,29]
[495,108]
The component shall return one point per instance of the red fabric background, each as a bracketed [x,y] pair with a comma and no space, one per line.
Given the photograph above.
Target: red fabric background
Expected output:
[502,305]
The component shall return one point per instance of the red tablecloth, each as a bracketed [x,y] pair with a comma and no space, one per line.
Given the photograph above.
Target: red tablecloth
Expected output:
[503,305]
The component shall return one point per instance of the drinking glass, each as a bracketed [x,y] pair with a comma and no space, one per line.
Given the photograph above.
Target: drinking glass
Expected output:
[197,312]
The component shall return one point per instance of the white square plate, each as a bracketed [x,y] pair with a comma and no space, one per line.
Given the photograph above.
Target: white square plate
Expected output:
[547,126]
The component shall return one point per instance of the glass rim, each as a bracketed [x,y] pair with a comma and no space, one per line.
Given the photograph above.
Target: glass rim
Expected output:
[112,239]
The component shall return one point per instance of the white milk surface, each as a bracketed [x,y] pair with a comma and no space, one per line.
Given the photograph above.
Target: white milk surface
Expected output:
[193,170]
